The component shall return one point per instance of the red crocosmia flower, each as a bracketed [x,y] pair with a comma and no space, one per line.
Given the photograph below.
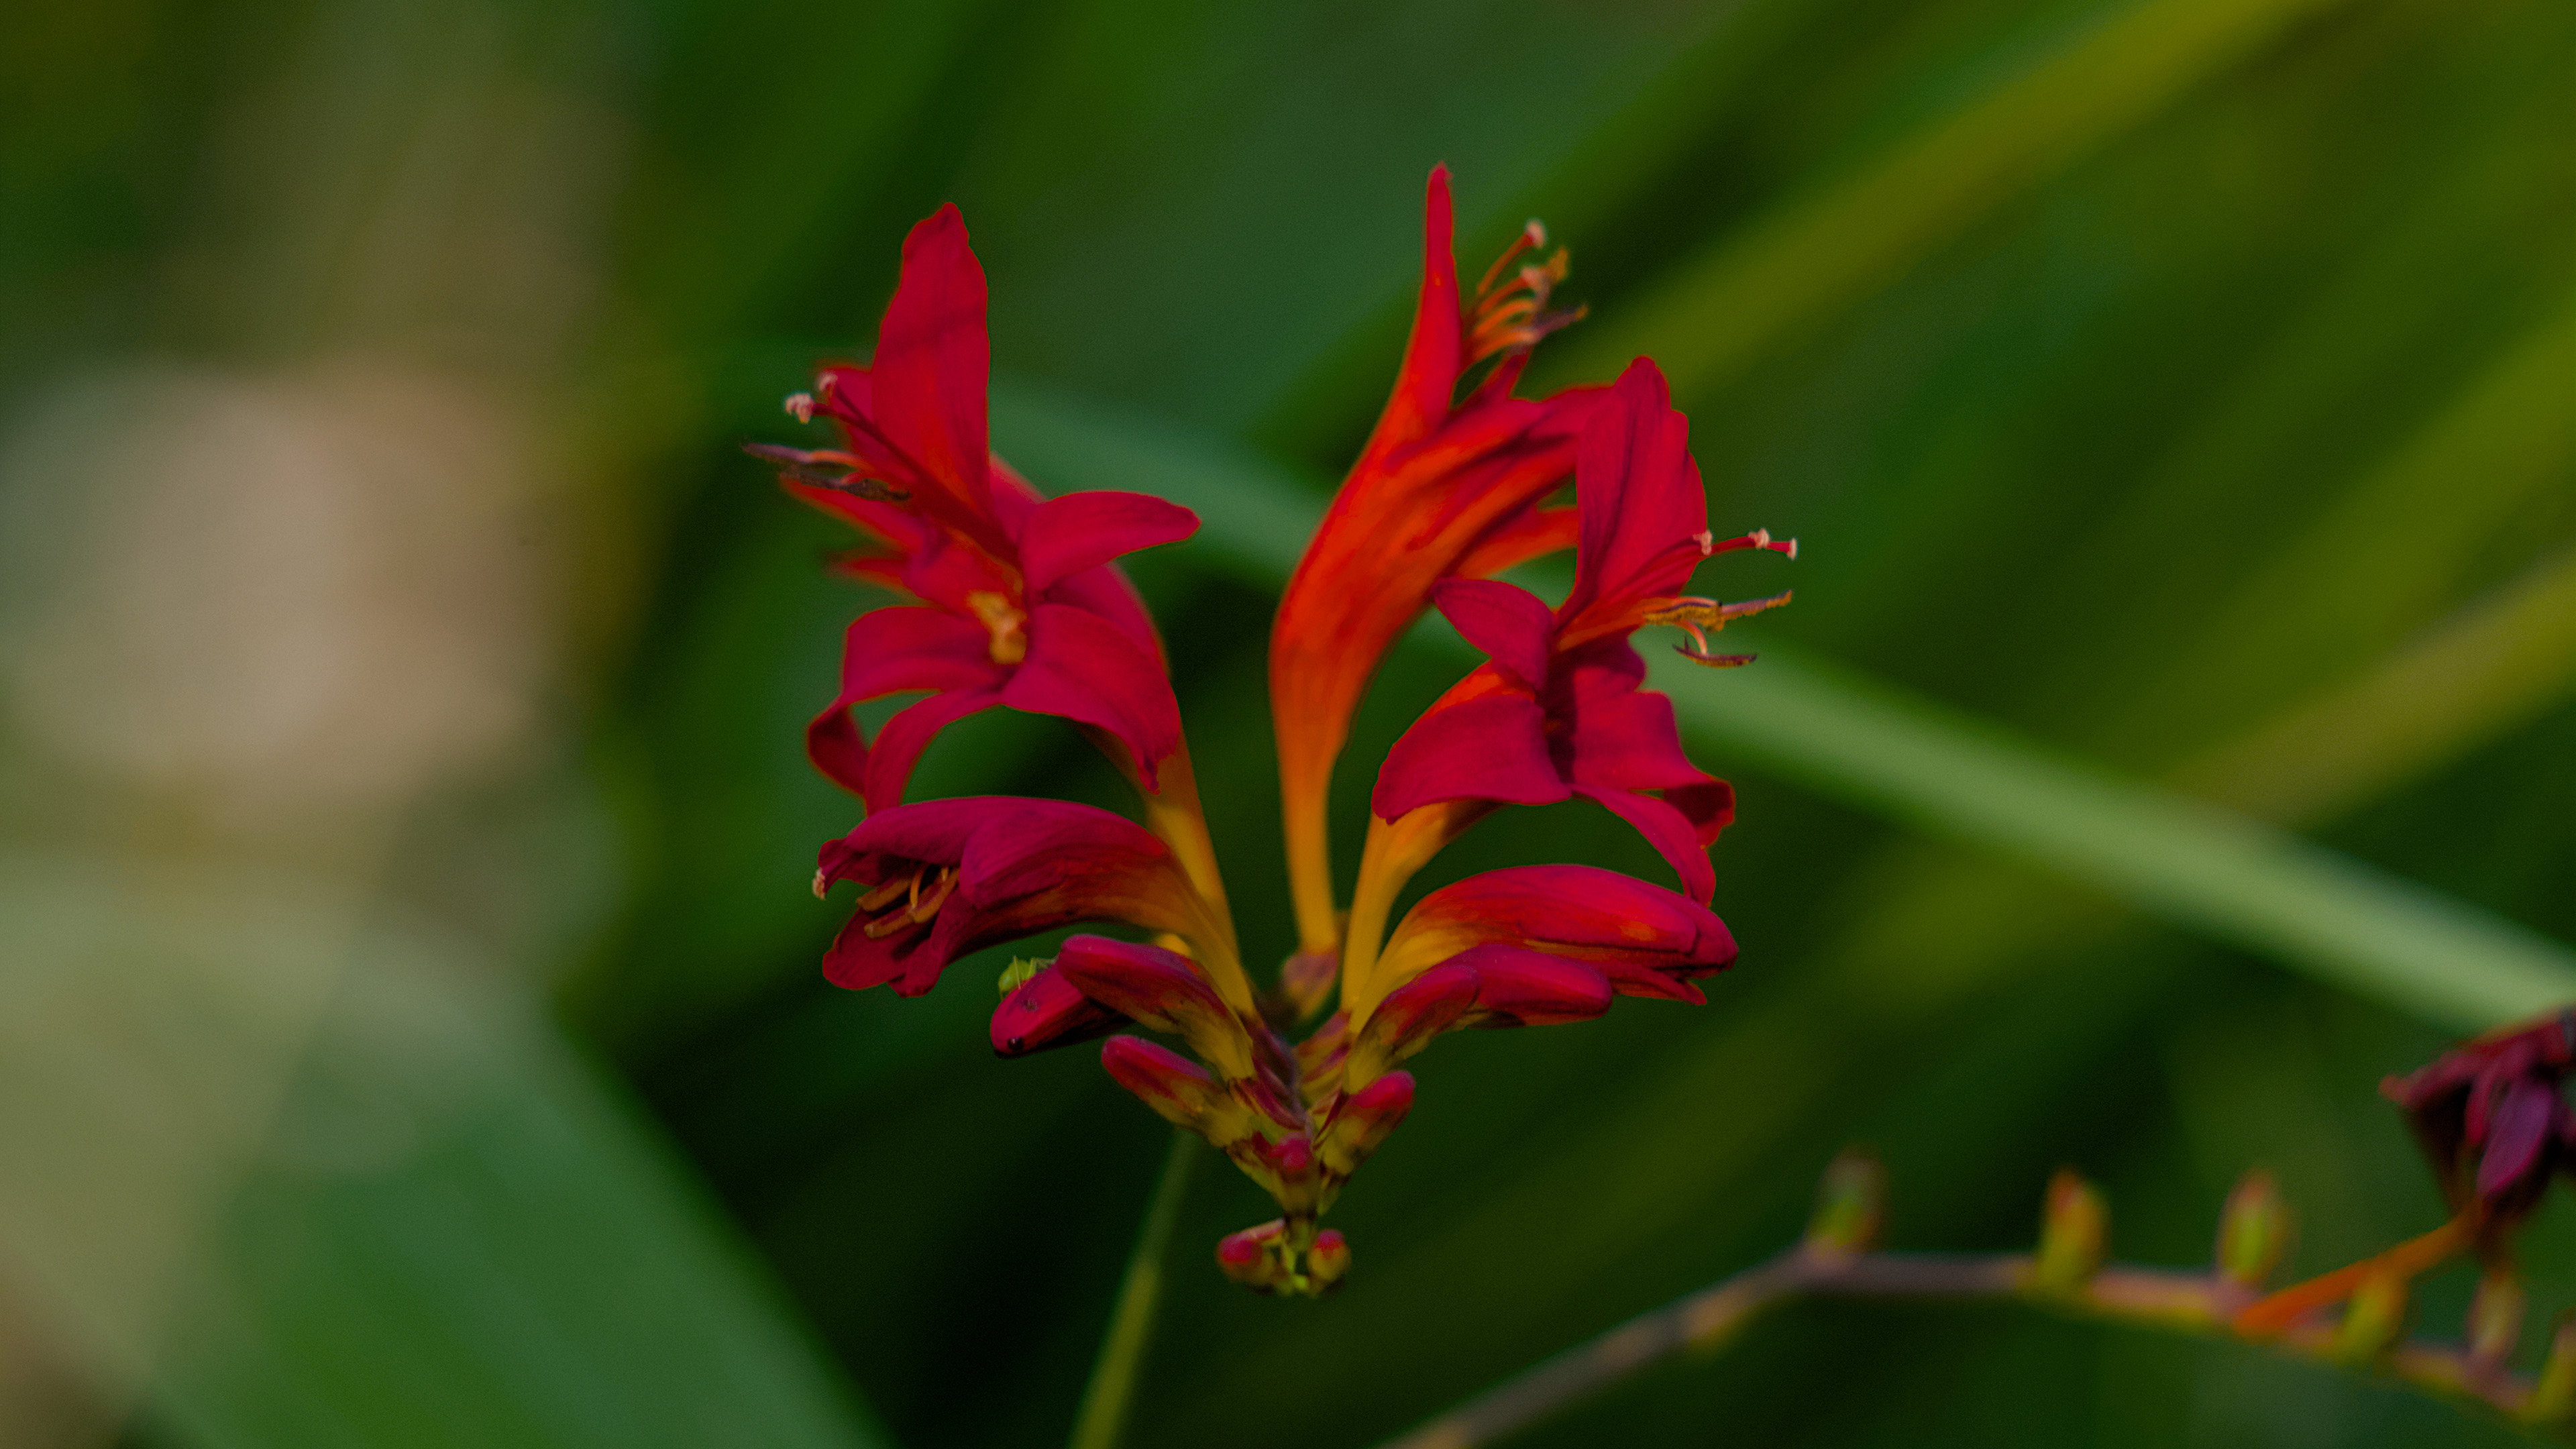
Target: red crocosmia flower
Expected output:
[942,878]
[2492,1118]
[1019,604]
[1556,712]
[1523,946]
[1447,487]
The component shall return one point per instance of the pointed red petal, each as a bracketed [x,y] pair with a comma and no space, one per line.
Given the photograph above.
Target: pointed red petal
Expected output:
[1086,669]
[1083,530]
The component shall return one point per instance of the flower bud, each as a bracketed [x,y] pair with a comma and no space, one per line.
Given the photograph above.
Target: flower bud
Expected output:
[1407,1020]
[1327,1261]
[1256,1257]
[2495,1318]
[2373,1320]
[1163,991]
[1851,1207]
[1306,981]
[1179,1090]
[2071,1234]
[1043,1010]
[2253,1231]
[1362,1120]
[1285,1167]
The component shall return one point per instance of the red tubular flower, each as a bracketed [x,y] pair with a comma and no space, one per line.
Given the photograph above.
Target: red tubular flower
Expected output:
[1444,489]
[946,877]
[1020,603]
[1049,1011]
[1528,945]
[1556,712]
[2491,1116]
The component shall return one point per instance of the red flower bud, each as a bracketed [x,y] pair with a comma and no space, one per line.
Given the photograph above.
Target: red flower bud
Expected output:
[1048,1011]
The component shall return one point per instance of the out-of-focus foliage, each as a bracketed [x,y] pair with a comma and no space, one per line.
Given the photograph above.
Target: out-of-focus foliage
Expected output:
[412,1033]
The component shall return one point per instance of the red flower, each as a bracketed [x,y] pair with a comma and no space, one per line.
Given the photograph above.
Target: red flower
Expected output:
[1528,945]
[1444,489]
[942,878]
[1020,605]
[1556,712]
[2491,1117]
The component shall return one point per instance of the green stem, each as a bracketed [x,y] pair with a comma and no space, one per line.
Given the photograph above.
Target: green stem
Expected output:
[1131,1324]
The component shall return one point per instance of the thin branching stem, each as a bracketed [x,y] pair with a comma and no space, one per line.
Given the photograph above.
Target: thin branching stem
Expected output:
[2151,1298]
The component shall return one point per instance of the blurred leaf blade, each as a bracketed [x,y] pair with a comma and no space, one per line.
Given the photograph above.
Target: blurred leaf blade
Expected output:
[1718,310]
[453,1232]
[2194,865]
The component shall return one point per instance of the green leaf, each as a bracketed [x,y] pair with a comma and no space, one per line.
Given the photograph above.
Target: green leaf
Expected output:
[298,1167]
[2188,863]
[1718,311]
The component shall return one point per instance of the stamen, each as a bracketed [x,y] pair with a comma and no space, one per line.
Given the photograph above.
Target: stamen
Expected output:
[918,908]
[1513,316]
[800,406]
[880,897]
[940,891]
[1758,538]
[813,469]
[1701,617]
[822,885]
[1005,622]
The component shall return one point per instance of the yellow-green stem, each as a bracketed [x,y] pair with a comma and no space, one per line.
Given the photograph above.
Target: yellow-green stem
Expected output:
[1105,1399]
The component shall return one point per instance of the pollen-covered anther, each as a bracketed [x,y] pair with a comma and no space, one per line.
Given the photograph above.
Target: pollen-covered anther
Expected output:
[1007,624]
[1512,315]
[1759,538]
[800,406]
[918,906]
[823,468]
[1701,617]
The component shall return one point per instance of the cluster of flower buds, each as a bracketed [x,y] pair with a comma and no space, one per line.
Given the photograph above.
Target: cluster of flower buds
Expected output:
[1018,602]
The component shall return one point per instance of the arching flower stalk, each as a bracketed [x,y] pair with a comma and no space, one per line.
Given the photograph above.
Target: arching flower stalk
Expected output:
[1019,604]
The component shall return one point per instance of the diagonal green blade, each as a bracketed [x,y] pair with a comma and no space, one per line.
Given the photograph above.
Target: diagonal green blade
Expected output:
[292,1174]
[2191,864]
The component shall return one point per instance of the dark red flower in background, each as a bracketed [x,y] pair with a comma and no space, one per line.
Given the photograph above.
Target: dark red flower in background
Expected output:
[2492,1115]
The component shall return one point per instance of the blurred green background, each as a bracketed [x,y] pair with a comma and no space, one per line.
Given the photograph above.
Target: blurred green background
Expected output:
[410,1029]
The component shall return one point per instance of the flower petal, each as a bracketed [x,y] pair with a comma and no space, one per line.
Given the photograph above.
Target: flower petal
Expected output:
[900,743]
[1535,533]
[1600,916]
[1161,990]
[1086,669]
[1429,374]
[2520,1128]
[1510,624]
[1674,835]
[1084,530]
[1178,1090]
[887,651]
[989,869]
[1049,1011]
[1516,986]
[933,361]
[1640,496]
[1489,748]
